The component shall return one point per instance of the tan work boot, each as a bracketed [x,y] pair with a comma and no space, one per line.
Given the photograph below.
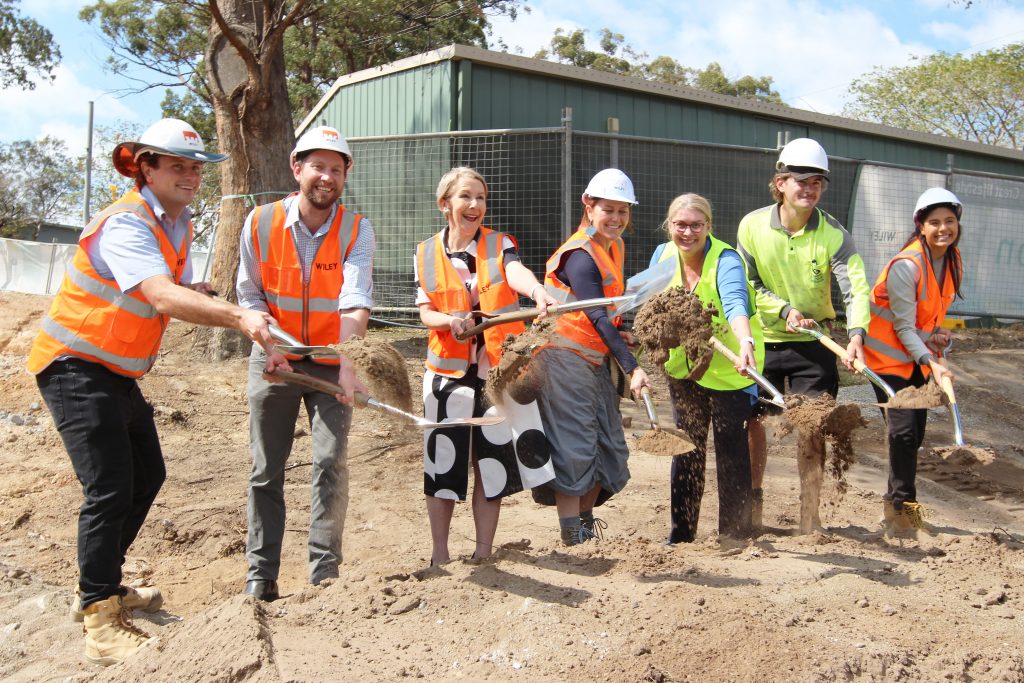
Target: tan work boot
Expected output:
[146,599]
[110,635]
[907,520]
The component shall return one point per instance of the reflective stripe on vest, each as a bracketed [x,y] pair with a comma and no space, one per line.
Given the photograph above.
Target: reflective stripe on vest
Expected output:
[883,351]
[305,309]
[92,319]
[447,293]
[721,374]
[574,331]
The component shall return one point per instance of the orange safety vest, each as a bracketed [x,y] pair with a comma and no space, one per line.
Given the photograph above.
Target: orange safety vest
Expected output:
[883,350]
[92,319]
[574,331]
[306,310]
[448,294]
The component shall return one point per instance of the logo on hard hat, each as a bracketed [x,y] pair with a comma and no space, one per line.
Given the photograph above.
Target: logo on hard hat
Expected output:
[191,138]
[330,134]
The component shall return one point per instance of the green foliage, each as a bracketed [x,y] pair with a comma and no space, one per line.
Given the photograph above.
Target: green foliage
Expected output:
[26,48]
[39,182]
[978,98]
[616,56]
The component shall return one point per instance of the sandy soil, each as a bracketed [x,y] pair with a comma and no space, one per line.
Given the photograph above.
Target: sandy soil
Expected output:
[845,605]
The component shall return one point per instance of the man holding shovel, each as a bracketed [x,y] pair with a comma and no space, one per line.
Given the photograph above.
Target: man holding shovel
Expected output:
[131,273]
[308,260]
[792,249]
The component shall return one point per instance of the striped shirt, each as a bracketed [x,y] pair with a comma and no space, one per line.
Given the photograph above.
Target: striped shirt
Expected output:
[357,291]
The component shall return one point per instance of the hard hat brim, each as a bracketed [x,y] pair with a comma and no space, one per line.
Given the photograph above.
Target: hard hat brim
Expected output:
[126,165]
[801,172]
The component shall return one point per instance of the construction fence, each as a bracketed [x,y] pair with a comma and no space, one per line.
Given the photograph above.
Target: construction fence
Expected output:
[536,178]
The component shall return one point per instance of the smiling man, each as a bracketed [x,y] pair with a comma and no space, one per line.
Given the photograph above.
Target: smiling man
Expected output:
[792,249]
[131,272]
[308,261]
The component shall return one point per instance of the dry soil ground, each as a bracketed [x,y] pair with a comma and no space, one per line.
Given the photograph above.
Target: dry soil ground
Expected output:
[844,605]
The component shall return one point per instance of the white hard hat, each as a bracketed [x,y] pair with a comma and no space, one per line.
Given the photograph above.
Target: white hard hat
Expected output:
[804,158]
[934,196]
[611,183]
[322,137]
[172,137]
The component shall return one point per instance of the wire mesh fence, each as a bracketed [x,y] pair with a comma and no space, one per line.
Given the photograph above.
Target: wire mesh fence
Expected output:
[536,178]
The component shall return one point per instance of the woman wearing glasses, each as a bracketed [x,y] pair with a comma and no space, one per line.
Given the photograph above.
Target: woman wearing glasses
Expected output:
[724,396]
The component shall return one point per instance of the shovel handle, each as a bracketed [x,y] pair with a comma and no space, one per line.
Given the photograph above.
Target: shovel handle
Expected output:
[776,395]
[858,364]
[652,414]
[316,383]
[954,409]
[515,316]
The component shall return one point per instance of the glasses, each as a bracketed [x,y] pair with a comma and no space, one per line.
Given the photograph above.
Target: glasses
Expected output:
[692,227]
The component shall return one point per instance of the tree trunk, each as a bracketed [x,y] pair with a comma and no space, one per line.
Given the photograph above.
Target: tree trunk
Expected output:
[254,126]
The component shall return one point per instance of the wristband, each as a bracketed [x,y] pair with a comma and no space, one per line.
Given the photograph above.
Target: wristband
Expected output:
[748,339]
[534,290]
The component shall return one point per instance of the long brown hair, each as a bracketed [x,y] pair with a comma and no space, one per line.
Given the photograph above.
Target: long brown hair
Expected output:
[951,262]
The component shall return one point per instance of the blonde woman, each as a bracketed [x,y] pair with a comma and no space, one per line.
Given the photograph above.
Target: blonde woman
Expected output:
[462,268]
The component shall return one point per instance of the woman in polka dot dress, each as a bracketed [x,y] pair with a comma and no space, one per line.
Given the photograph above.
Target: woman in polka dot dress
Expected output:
[462,268]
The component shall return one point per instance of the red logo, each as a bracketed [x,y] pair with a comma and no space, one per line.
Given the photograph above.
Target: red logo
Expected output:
[330,134]
[190,136]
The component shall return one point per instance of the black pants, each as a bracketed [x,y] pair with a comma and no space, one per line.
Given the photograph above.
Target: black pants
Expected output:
[108,431]
[693,408]
[906,434]
[809,366]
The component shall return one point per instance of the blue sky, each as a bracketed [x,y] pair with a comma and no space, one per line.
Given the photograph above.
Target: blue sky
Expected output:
[813,48]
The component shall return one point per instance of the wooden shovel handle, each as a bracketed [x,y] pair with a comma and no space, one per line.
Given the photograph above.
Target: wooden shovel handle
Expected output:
[831,344]
[316,383]
[947,383]
[515,316]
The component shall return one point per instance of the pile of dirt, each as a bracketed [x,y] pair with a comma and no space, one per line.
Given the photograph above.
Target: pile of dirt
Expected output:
[966,456]
[672,319]
[381,367]
[662,443]
[821,417]
[520,373]
[928,395]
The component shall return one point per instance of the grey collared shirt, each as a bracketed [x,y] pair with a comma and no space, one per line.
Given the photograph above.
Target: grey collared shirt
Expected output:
[357,291]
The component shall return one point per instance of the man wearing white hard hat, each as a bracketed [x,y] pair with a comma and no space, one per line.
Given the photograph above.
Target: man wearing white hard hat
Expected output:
[307,260]
[792,250]
[132,271]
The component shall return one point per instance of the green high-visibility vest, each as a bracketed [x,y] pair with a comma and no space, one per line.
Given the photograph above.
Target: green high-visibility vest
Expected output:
[721,374]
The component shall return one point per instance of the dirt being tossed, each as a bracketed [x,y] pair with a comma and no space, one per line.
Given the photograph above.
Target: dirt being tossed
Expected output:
[821,417]
[381,367]
[927,396]
[671,319]
[520,373]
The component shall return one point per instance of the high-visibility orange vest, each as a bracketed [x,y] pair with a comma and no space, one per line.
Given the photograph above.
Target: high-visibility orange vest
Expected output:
[448,294]
[883,351]
[306,310]
[92,319]
[574,331]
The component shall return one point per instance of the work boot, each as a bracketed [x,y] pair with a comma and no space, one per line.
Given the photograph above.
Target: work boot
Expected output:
[756,508]
[146,599]
[907,519]
[594,525]
[110,635]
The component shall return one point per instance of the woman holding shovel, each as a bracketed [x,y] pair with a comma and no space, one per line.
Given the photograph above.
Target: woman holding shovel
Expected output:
[723,395]
[462,268]
[905,338]
[578,402]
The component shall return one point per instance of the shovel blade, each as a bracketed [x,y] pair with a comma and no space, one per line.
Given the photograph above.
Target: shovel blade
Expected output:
[646,284]
[301,350]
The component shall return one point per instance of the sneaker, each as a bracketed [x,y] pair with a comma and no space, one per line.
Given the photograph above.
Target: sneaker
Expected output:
[110,635]
[595,526]
[147,599]
[756,508]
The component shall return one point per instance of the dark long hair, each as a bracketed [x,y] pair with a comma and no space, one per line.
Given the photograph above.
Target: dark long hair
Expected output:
[951,261]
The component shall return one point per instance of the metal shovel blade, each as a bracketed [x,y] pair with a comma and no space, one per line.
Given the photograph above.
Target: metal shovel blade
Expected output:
[646,284]
[307,351]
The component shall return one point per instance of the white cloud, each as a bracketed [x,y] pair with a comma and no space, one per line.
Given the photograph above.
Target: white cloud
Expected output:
[531,31]
[60,109]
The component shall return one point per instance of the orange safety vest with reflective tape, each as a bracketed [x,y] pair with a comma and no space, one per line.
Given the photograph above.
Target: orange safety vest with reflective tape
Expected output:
[306,310]
[92,319]
[448,294]
[883,351]
[574,331]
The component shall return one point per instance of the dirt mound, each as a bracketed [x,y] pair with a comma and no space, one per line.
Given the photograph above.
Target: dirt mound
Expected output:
[929,395]
[382,369]
[662,443]
[966,456]
[671,319]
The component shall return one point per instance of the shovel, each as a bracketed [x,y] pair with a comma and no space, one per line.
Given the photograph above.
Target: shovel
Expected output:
[639,289]
[295,347]
[835,348]
[776,395]
[652,417]
[364,400]
[954,409]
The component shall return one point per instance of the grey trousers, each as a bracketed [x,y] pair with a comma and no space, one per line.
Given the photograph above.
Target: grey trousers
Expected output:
[273,410]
